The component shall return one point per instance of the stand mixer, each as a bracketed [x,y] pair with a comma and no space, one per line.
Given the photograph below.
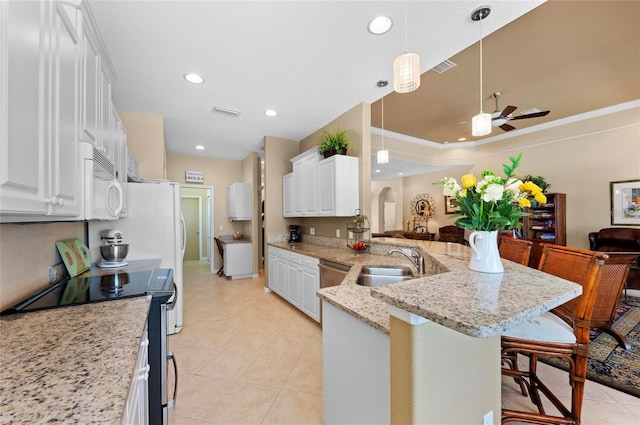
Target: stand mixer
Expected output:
[113,251]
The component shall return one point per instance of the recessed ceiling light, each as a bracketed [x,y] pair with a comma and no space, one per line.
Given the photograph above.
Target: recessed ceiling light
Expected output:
[380,25]
[462,139]
[271,113]
[378,171]
[193,78]
[401,174]
[200,147]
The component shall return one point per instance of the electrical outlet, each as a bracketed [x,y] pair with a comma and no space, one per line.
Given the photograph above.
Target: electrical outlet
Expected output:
[337,233]
[350,235]
[312,230]
[56,273]
[221,227]
[487,419]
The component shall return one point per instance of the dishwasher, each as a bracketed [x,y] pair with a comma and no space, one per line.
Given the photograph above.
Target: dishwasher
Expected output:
[332,273]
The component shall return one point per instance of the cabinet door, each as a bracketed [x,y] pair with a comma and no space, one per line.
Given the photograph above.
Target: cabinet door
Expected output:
[310,283]
[281,277]
[298,189]
[231,201]
[105,141]
[272,272]
[287,195]
[293,284]
[90,89]
[65,165]
[23,87]
[310,184]
[327,187]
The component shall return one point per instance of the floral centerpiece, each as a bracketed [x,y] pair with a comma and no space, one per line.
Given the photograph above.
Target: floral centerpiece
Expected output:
[491,204]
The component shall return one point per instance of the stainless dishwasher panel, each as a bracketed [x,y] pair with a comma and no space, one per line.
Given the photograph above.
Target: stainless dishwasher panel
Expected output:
[331,273]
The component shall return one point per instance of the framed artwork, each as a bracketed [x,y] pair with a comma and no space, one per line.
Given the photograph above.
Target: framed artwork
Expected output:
[449,208]
[625,203]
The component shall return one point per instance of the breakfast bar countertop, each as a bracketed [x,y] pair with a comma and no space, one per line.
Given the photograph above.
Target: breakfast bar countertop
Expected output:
[72,364]
[473,303]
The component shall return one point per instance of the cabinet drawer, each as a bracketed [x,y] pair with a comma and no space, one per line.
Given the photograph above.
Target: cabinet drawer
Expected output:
[307,261]
[292,257]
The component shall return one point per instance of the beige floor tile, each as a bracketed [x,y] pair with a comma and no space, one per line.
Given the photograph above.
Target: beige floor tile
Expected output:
[295,407]
[244,403]
[306,376]
[313,351]
[228,364]
[269,369]
[196,394]
[181,420]
[191,358]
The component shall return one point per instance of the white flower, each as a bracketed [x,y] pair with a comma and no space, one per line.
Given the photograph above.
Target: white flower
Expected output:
[493,192]
[450,186]
[512,186]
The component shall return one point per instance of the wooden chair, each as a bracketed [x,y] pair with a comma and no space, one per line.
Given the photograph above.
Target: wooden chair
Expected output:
[516,250]
[221,251]
[452,234]
[551,335]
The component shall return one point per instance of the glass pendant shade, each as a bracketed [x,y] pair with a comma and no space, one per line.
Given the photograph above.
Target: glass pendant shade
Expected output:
[383,156]
[406,73]
[481,124]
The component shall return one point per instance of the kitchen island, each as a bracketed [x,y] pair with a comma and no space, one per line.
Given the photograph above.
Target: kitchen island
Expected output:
[442,331]
[72,364]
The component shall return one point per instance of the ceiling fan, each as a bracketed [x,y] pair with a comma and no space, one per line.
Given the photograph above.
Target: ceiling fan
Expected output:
[499,119]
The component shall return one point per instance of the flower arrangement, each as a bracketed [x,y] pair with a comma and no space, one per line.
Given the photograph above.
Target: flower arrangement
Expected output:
[493,203]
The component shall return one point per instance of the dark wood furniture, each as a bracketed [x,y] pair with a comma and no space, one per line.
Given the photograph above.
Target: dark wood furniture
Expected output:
[516,250]
[568,342]
[221,251]
[546,224]
[452,234]
[619,239]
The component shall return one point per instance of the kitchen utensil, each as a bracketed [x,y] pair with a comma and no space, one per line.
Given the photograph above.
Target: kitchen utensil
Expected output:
[114,253]
[75,255]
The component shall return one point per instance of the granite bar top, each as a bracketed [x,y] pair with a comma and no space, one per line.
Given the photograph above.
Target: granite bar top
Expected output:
[71,365]
[473,303]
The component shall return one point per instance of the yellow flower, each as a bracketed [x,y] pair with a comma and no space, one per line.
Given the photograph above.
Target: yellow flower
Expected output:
[468,181]
[463,193]
[540,198]
[524,202]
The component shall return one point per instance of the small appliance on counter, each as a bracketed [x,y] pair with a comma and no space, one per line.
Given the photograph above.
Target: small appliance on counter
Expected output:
[113,251]
[294,233]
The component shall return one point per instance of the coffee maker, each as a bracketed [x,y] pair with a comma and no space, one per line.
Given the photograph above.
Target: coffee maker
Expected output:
[294,233]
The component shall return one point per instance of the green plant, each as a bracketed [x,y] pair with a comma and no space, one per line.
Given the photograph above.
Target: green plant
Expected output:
[334,140]
[538,181]
[493,203]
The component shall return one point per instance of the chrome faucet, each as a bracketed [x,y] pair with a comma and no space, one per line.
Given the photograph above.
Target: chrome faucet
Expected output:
[416,258]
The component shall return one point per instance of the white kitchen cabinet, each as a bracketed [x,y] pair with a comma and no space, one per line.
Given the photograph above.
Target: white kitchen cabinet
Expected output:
[137,407]
[305,183]
[338,186]
[239,201]
[121,157]
[296,278]
[237,259]
[327,187]
[287,195]
[39,94]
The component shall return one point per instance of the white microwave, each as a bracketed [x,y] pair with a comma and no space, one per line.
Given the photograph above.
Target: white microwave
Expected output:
[103,193]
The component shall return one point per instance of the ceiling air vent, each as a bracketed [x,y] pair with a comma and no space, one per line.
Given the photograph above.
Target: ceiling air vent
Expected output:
[227,111]
[443,66]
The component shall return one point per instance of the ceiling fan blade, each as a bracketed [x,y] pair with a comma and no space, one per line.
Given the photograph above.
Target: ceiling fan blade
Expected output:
[508,110]
[534,115]
[507,127]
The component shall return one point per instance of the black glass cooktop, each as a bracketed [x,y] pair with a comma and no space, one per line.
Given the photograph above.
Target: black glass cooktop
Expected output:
[82,290]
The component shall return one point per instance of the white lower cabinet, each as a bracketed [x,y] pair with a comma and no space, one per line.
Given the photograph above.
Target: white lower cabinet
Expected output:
[295,277]
[137,408]
[238,259]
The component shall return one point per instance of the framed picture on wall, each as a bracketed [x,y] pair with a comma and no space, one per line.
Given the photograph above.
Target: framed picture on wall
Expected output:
[449,207]
[625,203]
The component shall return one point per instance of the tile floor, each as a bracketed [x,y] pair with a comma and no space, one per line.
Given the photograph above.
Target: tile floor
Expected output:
[248,357]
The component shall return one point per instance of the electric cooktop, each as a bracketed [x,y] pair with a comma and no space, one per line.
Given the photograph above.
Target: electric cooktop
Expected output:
[82,290]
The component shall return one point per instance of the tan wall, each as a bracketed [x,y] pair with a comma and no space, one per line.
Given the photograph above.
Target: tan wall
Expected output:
[277,153]
[579,159]
[26,252]
[358,121]
[145,140]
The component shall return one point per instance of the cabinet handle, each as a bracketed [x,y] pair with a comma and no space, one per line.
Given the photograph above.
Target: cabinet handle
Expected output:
[55,201]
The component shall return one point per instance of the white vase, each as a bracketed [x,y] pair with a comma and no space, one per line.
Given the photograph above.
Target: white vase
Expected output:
[485,256]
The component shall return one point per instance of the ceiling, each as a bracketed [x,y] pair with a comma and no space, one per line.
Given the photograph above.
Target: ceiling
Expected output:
[313,60]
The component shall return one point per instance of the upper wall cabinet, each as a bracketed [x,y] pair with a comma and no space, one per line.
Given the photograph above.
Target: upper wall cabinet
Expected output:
[55,92]
[327,187]
[40,62]
[239,201]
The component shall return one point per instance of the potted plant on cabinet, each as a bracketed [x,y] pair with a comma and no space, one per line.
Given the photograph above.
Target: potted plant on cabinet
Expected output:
[334,142]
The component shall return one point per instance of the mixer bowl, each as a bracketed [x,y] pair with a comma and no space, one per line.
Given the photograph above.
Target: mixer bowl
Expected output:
[114,253]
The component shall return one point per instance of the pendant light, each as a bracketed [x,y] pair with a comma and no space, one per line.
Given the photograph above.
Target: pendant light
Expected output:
[481,123]
[383,154]
[406,68]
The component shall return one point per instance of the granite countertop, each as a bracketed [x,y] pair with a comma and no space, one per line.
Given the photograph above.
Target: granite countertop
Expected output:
[476,304]
[71,364]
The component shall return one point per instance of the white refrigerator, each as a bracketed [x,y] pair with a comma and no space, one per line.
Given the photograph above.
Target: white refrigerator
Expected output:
[153,228]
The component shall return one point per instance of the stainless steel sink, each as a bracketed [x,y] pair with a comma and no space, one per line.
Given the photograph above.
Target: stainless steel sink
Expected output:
[382,275]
